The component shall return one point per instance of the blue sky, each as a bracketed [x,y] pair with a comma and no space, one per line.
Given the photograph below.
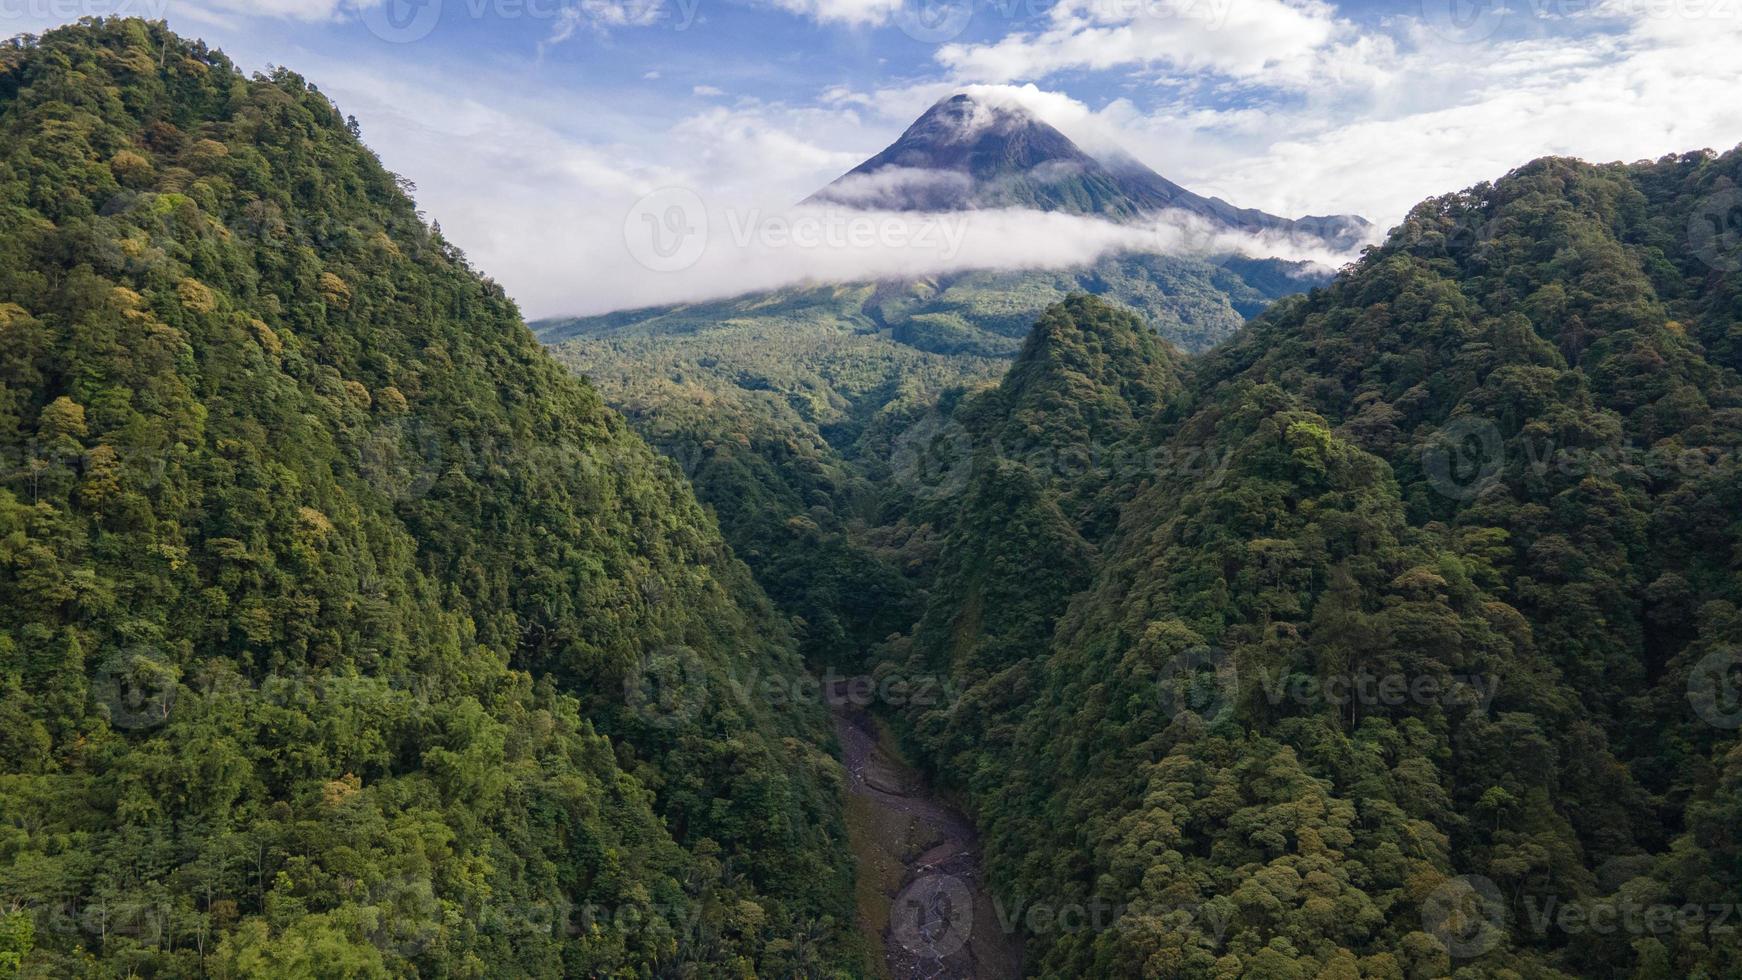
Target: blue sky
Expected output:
[533,127]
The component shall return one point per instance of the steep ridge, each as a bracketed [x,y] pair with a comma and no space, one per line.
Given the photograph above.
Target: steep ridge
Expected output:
[1437,641]
[1040,465]
[343,632]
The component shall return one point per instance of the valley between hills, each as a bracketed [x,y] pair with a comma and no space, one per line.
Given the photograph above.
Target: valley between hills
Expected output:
[1204,615]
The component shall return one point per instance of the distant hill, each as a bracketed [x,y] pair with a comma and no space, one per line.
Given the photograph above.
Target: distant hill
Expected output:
[1191,302]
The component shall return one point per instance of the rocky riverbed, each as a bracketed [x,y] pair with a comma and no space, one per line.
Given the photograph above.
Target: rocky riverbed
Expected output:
[922,892]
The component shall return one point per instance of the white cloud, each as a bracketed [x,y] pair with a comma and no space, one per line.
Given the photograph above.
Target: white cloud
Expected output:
[853,13]
[1277,41]
[890,186]
[1447,116]
[758,149]
[707,91]
[537,196]
[842,95]
[748,250]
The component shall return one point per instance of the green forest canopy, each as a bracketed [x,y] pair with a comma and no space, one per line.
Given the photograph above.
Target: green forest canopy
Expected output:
[341,631]
[1499,456]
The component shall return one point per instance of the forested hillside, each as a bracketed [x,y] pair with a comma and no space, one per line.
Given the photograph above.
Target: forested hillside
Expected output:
[791,411]
[1414,653]
[766,414]
[342,632]
[1194,302]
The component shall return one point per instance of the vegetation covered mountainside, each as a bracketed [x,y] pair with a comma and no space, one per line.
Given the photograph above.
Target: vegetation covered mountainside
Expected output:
[767,416]
[1413,654]
[342,632]
[1395,637]
[795,413]
[1192,302]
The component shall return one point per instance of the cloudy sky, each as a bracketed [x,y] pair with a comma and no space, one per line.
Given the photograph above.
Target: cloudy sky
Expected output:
[534,127]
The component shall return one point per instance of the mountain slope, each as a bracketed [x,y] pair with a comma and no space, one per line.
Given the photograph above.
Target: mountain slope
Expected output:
[344,633]
[774,411]
[1443,638]
[970,153]
[784,408]
[1192,302]
[1040,464]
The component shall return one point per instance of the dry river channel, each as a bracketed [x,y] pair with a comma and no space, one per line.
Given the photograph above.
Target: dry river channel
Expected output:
[922,891]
